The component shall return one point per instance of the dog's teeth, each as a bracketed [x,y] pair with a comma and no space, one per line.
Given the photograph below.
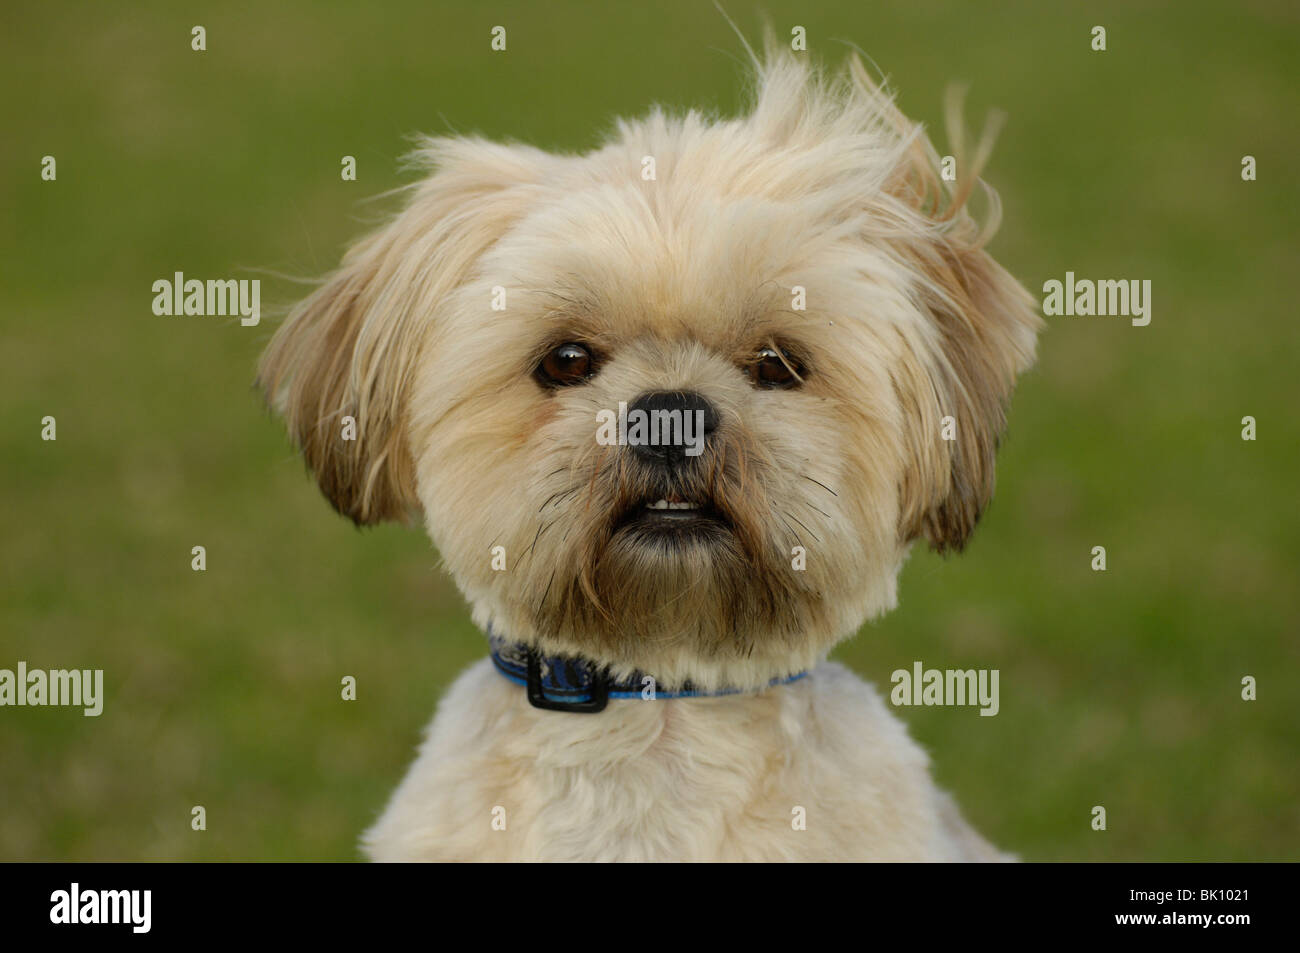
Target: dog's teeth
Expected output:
[665,505]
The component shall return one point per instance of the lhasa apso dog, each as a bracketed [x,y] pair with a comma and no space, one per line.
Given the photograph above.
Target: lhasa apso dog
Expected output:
[673,412]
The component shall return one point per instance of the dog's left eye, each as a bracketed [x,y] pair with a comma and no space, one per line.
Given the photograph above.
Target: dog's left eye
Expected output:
[773,368]
[565,365]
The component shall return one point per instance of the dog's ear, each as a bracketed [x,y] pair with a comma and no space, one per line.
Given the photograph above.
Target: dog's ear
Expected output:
[985,325]
[981,334]
[340,367]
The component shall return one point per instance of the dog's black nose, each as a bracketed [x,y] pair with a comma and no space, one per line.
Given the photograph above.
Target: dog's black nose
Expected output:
[674,426]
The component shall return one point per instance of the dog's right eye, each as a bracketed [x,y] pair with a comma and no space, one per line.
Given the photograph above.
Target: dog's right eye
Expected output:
[775,369]
[565,365]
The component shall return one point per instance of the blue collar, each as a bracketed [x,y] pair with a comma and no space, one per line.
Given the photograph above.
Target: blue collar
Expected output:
[565,683]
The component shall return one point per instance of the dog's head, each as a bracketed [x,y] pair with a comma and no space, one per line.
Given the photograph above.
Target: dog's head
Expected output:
[799,293]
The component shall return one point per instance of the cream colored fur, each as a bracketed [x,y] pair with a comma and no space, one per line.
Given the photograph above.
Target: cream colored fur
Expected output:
[678,780]
[675,283]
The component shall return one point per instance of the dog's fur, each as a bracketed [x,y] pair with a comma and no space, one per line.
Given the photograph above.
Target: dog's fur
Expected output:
[674,283]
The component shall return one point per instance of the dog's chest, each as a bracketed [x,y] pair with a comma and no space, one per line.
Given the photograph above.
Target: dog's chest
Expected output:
[815,770]
[659,783]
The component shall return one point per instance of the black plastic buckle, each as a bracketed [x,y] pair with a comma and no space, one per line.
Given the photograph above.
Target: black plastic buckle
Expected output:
[537,696]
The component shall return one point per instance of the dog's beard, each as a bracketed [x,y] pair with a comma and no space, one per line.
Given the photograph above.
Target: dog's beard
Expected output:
[698,557]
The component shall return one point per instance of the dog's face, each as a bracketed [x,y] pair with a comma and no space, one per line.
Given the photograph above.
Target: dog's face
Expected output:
[796,285]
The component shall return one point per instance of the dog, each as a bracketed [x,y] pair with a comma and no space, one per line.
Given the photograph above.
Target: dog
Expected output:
[800,303]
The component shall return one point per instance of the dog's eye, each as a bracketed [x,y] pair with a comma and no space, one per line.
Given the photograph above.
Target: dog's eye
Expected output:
[772,368]
[565,365]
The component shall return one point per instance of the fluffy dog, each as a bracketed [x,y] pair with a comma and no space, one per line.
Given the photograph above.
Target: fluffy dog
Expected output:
[803,286]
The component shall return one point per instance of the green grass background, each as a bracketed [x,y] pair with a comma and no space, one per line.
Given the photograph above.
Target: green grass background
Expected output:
[1119,688]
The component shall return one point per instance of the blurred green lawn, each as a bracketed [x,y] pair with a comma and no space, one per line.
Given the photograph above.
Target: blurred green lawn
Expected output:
[1119,688]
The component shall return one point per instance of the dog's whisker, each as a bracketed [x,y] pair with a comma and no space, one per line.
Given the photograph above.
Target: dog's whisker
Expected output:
[560,494]
[800,522]
[798,541]
[820,484]
[542,602]
[529,551]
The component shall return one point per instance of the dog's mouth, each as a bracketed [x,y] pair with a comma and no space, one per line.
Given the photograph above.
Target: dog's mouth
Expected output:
[673,515]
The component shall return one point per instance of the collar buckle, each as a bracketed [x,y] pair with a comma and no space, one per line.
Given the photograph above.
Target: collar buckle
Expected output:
[598,690]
